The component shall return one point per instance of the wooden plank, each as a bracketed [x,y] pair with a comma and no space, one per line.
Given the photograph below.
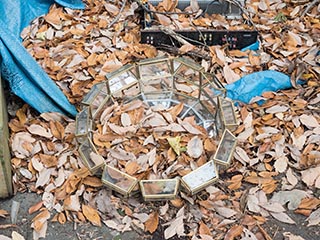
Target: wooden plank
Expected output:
[5,158]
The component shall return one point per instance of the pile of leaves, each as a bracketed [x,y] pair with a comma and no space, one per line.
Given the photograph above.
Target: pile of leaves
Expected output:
[151,142]
[275,173]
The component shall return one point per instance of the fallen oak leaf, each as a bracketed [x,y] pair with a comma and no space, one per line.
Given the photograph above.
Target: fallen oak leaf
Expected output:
[195,147]
[62,218]
[35,207]
[91,214]
[3,213]
[235,182]
[176,226]
[40,224]
[309,203]
[314,218]
[151,224]
[3,237]
[282,217]
[290,236]
[234,231]
[15,236]
[174,143]
[36,129]
[204,229]
[186,48]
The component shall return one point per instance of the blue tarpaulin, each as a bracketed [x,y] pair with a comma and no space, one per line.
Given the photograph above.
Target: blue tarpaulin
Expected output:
[255,84]
[25,76]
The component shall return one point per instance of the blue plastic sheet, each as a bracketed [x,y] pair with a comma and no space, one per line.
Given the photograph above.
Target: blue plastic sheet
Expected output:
[255,84]
[254,46]
[25,76]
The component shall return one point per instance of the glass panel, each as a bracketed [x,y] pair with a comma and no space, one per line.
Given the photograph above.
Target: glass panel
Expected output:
[90,155]
[158,84]
[212,80]
[228,112]
[121,81]
[82,122]
[226,147]
[158,98]
[118,179]
[95,90]
[155,70]
[201,177]
[186,87]
[159,187]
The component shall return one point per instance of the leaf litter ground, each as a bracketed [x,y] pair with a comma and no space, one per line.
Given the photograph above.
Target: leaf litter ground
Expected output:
[275,173]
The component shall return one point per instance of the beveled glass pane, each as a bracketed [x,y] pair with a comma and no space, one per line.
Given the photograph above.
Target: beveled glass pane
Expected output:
[94,91]
[158,98]
[121,81]
[82,122]
[186,87]
[159,187]
[208,78]
[201,177]
[90,155]
[118,180]
[228,113]
[226,148]
[154,69]
[98,102]
[156,84]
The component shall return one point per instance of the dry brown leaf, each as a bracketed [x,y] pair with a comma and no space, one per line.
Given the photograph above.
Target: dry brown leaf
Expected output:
[195,147]
[234,231]
[39,130]
[235,182]
[309,121]
[229,75]
[290,236]
[57,129]
[91,214]
[150,51]
[210,145]
[186,48]
[151,224]
[35,207]
[3,213]
[309,203]
[163,19]
[72,203]
[132,168]
[282,217]
[111,8]
[21,115]
[204,229]
[62,218]
[178,202]
[53,17]
[92,181]
[16,236]
[39,223]
[48,160]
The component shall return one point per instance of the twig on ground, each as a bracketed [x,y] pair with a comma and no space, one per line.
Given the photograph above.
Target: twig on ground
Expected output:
[309,6]
[173,34]
[116,19]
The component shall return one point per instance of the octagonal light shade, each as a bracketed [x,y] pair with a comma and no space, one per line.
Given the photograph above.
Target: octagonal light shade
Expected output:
[161,85]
